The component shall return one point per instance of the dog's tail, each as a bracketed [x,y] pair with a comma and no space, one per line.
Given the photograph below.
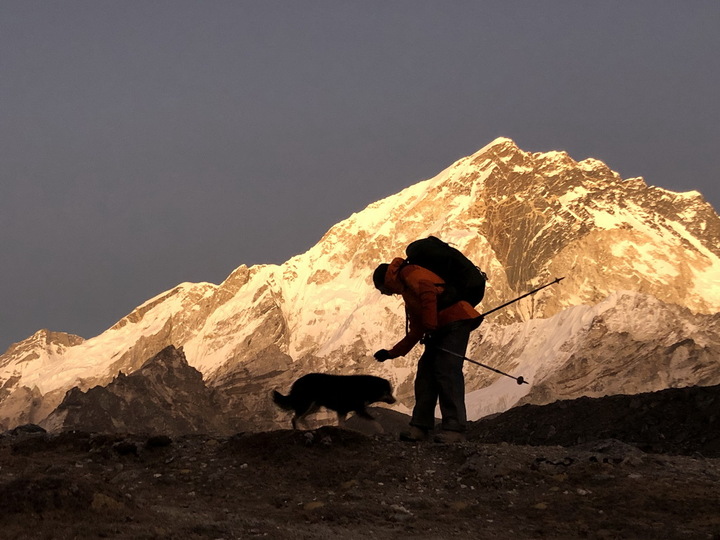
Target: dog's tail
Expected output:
[284,402]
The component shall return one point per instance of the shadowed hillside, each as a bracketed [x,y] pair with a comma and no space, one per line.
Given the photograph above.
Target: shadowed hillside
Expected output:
[331,483]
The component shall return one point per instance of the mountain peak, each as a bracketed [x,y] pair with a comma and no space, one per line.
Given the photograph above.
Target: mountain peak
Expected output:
[42,343]
[501,143]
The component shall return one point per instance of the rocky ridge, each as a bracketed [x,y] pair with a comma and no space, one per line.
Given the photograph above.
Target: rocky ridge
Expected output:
[165,396]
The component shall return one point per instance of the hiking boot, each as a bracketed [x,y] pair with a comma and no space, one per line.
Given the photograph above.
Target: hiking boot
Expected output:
[450,437]
[415,434]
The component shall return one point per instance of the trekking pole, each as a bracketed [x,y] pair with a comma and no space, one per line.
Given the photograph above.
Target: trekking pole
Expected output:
[493,310]
[520,379]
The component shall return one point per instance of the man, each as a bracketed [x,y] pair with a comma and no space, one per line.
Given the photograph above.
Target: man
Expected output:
[442,323]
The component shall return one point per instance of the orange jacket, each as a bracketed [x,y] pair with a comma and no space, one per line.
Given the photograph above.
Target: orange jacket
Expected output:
[420,289]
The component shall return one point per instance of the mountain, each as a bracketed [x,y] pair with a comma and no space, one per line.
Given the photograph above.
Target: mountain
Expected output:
[626,344]
[166,396]
[637,310]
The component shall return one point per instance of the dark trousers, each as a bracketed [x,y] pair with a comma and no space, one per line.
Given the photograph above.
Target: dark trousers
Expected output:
[440,378]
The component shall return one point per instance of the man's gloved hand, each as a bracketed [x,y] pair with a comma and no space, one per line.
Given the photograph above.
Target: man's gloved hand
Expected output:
[382,355]
[427,338]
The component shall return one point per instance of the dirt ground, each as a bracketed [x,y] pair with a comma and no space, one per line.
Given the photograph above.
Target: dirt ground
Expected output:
[332,483]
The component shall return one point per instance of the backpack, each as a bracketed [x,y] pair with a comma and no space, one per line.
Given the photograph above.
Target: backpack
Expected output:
[463,280]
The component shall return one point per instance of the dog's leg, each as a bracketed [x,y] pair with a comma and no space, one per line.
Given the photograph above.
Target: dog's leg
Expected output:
[300,418]
[362,413]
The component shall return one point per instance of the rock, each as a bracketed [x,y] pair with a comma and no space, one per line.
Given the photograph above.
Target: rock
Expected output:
[158,441]
[27,429]
[104,503]
[125,448]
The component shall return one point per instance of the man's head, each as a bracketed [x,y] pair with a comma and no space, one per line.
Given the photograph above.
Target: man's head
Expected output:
[379,279]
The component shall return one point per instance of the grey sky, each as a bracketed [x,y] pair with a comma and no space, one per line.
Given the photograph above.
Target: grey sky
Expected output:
[143,144]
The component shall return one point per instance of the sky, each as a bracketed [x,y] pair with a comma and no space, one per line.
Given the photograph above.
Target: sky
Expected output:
[145,144]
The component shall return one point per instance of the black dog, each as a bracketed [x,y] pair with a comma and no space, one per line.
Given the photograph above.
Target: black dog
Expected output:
[340,393]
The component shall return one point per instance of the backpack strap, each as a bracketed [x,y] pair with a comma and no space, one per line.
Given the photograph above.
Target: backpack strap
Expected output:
[406,263]
[399,275]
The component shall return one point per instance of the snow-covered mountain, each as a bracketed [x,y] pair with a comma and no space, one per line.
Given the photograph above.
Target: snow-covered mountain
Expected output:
[629,343]
[637,310]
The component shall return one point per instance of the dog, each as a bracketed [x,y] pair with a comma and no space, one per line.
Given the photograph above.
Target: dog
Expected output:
[340,393]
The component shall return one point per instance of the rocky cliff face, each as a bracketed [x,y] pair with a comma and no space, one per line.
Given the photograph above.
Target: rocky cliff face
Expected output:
[524,218]
[165,396]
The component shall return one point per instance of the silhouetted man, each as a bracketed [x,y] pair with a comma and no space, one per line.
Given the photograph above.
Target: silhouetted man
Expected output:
[439,374]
